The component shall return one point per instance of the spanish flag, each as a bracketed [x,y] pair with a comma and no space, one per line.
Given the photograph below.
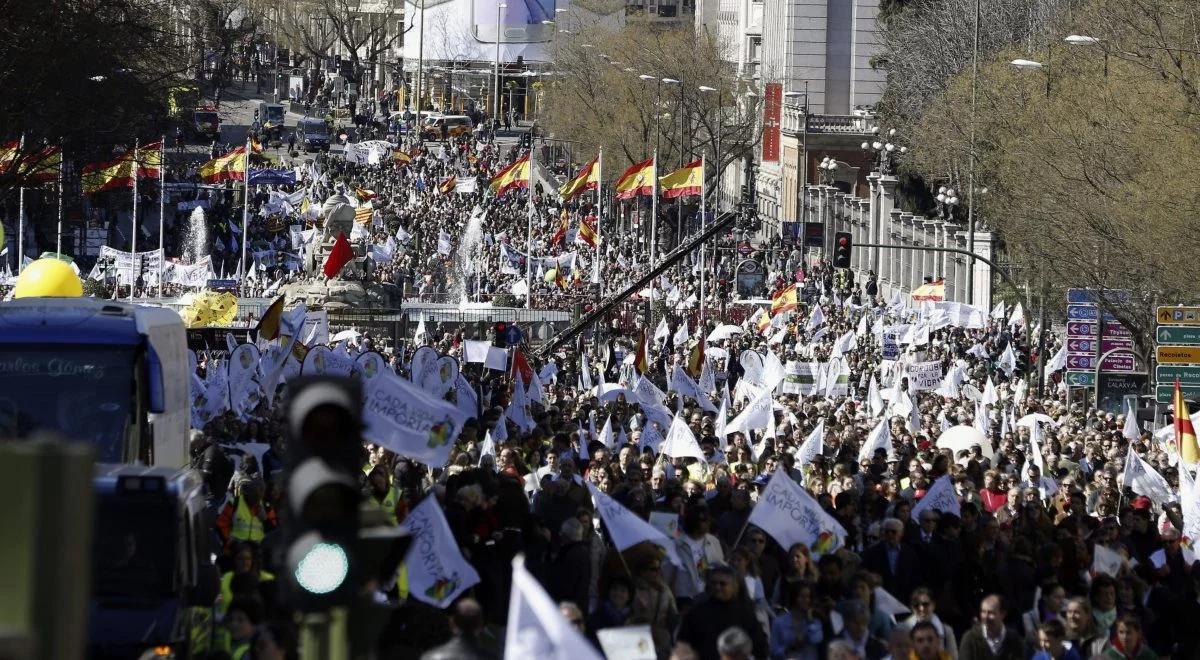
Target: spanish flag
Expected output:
[641,361]
[1185,433]
[448,185]
[687,180]
[784,300]
[149,160]
[934,291]
[108,175]
[695,362]
[637,181]
[559,279]
[41,166]
[365,195]
[587,179]
[401,158]
[564,222]
[763,322]
[587,232]
[516,175]
[230,167]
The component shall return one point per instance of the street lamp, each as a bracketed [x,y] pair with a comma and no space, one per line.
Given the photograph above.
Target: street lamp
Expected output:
[829,168]
[885,151]
[1081,40]
[1027,64]
[496,71]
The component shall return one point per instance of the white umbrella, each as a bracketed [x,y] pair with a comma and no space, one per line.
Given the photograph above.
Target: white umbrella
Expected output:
[962,438]
[1033,418]
[718,353]
[345,335]
[724,332]
[609,392]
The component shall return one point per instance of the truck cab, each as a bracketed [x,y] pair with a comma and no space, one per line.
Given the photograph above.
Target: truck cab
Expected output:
[110,374]
[153,577]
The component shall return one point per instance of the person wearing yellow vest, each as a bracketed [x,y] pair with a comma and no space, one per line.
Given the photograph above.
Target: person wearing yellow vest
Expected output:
[245,562]
[245,518]
[237,634]
[382,493]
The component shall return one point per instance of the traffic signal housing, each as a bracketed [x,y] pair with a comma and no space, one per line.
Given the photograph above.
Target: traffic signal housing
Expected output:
[321,517]
[500,334]
[843,244]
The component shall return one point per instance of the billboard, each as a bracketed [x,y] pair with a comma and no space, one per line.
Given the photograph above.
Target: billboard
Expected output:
[467,30]
[772,122]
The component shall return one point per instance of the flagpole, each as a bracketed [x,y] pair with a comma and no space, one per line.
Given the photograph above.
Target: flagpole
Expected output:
[162,206]
[599,199]
[58,240]
[703,220]
[529,237]
[137,263]
[21,216]
[653,231]
[245,215]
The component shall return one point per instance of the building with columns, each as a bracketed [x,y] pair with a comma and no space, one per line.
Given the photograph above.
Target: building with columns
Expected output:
[875,218]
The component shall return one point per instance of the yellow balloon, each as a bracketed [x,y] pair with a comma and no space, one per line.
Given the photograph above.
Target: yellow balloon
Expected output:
[551,275]
[49,278]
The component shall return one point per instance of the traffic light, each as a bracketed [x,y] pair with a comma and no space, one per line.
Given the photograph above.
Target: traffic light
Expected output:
[500,331]
[842,245]
[321,516]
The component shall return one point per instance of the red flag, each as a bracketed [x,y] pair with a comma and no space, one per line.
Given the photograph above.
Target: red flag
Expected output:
[339,256]
[521,366]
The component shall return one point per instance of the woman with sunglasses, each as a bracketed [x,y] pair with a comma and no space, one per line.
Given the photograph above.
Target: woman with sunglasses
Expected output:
[924,608]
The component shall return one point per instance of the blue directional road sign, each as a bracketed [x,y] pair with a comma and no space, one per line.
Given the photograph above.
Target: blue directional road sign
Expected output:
[1087,313]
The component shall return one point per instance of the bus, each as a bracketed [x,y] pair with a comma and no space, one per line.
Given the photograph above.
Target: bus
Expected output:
[111,374]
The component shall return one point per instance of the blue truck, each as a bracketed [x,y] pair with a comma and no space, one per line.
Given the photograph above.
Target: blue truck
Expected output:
[153,576]
[111,374]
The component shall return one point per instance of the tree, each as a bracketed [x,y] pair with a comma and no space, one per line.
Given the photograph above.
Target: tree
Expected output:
[83,76]
[1085,170]
[597,99]
[362,27]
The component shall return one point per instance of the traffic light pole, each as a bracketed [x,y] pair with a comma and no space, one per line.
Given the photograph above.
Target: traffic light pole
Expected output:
[1007,278]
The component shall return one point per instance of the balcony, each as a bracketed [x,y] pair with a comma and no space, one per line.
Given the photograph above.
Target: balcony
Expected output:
[793,122]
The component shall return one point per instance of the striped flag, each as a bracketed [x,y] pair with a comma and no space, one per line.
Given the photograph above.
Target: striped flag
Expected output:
[516,175]
[362,215]
[687,180]
[1185,432]
[587,179]
[637,181]
[230,167]
[784,300]
[587,231]
[448,185]
[120,172]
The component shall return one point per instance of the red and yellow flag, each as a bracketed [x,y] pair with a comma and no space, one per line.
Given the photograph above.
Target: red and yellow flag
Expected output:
[41,166]
[587,179]
[1185,433]
[641,360]
[934,291]
[401,158]
[448,185]
[149,160]
[364,194]
[362,215]
[763,322]
[230,167]
[784,300]
[564,222]
[108,175]
[587,232]
[687,180]
[516,175]
[637,181]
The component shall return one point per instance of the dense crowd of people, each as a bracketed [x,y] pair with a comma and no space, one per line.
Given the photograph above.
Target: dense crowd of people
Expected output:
[1021,570]
[1035,541]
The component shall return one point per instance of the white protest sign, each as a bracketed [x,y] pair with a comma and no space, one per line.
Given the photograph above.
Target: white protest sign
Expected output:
[627,642]
[408,421]
[437,571]
[790,515]
[924,375]
[939,497]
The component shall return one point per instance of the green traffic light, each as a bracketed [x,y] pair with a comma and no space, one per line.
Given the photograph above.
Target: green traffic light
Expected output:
[323,568]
